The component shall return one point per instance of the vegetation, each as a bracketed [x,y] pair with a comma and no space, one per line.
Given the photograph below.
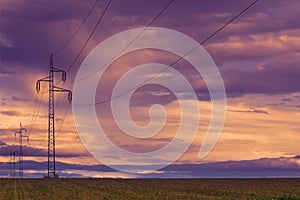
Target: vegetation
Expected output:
[106,189]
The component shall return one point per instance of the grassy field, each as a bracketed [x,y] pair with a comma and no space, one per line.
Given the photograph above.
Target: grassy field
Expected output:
[149,188]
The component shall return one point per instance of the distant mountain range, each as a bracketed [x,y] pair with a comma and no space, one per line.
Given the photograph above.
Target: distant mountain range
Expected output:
[262,168]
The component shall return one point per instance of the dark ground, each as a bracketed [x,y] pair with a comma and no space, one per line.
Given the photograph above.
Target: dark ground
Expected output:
[56,188]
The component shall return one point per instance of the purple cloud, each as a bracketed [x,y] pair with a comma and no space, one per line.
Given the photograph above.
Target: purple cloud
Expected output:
[35,25]
[11,113]
[33,151]
[250,111]
[274,78]
[19,99]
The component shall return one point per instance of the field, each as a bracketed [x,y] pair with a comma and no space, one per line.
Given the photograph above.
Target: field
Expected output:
[101,189]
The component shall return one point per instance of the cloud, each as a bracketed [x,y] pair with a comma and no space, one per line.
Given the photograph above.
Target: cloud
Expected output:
[151,94]
[28,151]
[273,78]
[260,17]
[31,15]
[38,152]
[286,99]
[5,131]
[259,46]
[12,113]
[250,111]
[262,33]
[19,99]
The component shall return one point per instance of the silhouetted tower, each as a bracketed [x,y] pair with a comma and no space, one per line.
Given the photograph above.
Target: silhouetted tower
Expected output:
[12,164]
[22,132]
[51,127]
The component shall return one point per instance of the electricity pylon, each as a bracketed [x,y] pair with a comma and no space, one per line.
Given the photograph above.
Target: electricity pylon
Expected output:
[12,164]
[51,127]
[22,134]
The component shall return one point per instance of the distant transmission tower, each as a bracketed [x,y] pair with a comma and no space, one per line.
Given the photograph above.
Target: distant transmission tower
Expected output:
[51,127]
[22,134]
[12,164]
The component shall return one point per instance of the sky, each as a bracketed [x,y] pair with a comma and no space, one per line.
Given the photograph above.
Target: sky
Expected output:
[257,55]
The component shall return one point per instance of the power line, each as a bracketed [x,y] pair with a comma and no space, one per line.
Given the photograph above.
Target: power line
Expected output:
[63,119]
[98,22]
[229,22]
[36,109]
[84,45]
[91,34]
[33,113]
[179,59]
[36,116]
[132,41]
[86,42]
[77,30]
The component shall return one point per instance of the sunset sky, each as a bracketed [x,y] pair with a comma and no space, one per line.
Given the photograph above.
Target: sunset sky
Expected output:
[258,56]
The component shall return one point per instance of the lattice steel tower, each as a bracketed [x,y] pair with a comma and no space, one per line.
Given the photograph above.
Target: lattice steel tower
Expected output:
[51,118]
[22,132]
[12,164]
